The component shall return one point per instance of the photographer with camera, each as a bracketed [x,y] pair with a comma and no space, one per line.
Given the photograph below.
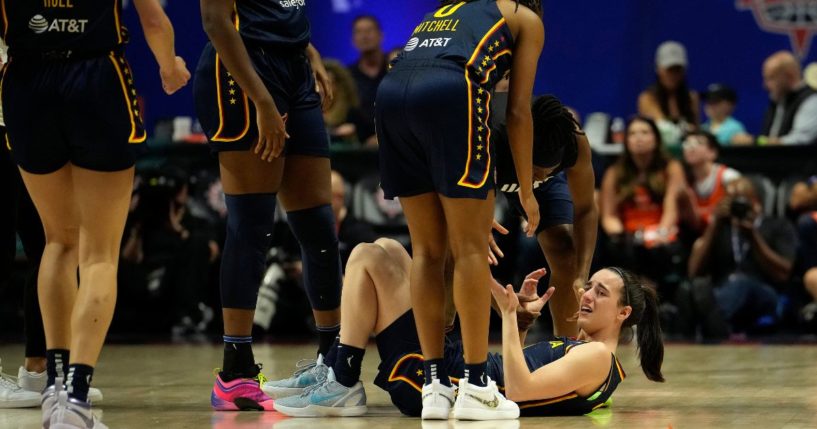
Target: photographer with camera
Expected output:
[169,252]
[747,257]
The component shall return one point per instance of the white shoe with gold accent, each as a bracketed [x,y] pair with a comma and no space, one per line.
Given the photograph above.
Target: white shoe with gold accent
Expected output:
[483,403]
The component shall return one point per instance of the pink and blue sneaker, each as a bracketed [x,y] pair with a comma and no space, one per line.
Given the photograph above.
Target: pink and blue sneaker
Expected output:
[240,394]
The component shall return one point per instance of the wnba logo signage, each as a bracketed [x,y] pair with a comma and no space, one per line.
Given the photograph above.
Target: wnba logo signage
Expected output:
[797,18]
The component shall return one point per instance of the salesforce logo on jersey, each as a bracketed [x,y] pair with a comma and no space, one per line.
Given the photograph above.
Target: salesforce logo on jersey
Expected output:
[293,3]
[40,25]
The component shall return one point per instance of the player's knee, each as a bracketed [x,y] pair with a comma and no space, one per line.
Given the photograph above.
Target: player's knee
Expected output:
[558,241]
[469,248]
[810,278]
[250,222]
[365,255]
[315,230]
[64,238]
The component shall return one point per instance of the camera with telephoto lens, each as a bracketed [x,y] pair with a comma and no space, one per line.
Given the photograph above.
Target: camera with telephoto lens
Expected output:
[740,208]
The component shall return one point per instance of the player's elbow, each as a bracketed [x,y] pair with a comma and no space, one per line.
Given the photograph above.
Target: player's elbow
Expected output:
[518,390]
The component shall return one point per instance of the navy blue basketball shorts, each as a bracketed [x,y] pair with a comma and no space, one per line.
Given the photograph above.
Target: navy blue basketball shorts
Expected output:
[227,115]
[82,111]
[401,364]
[432,129]
[555,202]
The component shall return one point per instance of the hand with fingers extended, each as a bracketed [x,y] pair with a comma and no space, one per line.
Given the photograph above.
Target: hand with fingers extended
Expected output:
[272,132]
[530,304]
[494,252]
[510,303]
[531,207]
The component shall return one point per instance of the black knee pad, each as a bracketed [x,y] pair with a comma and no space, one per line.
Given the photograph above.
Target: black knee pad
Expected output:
[250,221]
[315,230]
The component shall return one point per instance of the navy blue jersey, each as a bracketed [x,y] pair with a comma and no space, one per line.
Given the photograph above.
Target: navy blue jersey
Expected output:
[543,353]
[37,27]
[278,23]
[473,34]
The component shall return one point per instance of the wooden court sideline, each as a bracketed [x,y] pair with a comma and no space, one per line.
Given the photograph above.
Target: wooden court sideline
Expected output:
[746,386]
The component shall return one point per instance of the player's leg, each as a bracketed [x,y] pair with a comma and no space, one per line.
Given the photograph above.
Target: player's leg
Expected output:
[12,393]
[376,293]
[557,244]
[250,186]
[57,280]
[469,223]
[306,195]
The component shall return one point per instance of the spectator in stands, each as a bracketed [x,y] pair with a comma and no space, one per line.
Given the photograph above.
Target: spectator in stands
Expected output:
[351,231]
[719,104]
[746,255]
[803,200]
[706,178]
[344,120]
[639,203]
[804,196]
[807,259]
[791,118]
[370,67]
[669,101]
[173,247]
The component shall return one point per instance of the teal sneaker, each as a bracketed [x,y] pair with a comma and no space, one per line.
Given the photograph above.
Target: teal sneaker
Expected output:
[308,373]
[326,399]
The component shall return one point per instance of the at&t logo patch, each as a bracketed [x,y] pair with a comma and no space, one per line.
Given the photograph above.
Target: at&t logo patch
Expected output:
[40,25]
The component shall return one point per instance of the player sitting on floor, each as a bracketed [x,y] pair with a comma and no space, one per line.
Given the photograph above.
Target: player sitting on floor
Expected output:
[561,377]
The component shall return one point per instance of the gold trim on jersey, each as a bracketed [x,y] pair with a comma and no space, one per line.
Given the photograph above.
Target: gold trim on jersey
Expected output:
[233,89]
[234,92]
[533,404]
[137,134]
[480,94]
[395,377]
[5,18]
[117,21]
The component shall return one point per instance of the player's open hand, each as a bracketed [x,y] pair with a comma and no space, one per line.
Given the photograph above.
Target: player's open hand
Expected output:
[531,207]
[272,132]
[505,297]
[325,88]
[494,252]
[174,77]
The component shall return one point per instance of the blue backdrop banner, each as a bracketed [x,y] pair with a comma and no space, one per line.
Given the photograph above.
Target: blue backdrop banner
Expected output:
[598,54]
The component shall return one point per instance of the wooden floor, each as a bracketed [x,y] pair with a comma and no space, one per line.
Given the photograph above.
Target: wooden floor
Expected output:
[168,386]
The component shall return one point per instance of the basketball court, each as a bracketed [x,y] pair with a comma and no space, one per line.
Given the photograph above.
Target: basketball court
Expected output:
[743,386]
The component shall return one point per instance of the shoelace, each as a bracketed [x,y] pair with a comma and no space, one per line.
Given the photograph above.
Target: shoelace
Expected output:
[8,381]
[322,383]
[304,365]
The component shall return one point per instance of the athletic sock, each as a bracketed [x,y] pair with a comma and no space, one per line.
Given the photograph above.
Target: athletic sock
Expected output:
[332,354]
[347,365]
[475,373]
[435,369]
[239,361]
[326,337]
[79,381]
[56,365]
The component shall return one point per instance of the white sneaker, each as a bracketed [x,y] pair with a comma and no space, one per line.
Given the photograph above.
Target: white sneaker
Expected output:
[35,382]
[13,396]
[437,400]
[483,403]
